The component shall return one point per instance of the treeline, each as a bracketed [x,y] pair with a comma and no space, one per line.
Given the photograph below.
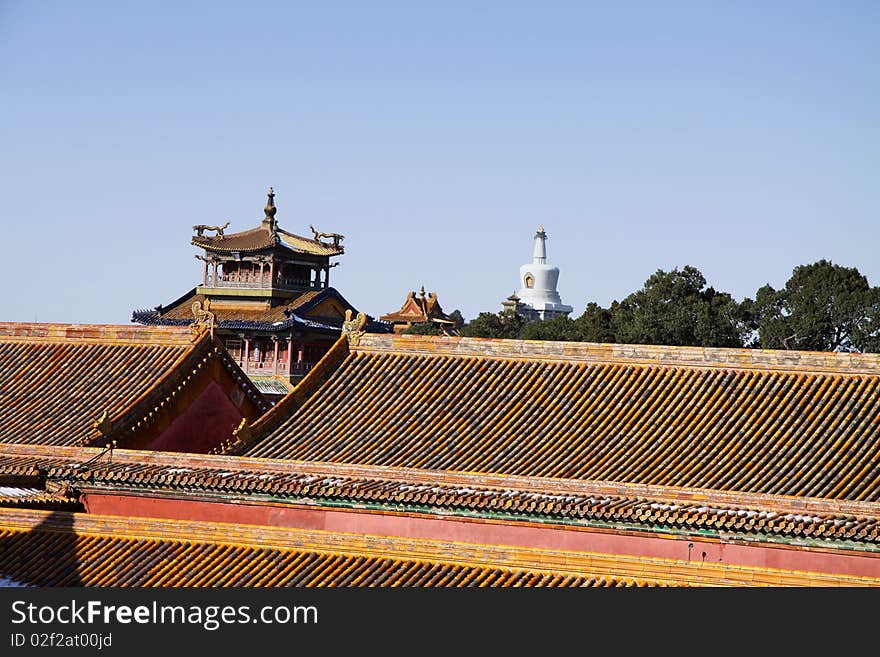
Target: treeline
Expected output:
[823,307]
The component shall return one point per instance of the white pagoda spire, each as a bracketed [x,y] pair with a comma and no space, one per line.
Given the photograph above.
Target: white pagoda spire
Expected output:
[540,255]
[538,280]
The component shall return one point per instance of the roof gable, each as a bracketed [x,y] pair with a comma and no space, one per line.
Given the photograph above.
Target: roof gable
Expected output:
[418,309]
[67,384]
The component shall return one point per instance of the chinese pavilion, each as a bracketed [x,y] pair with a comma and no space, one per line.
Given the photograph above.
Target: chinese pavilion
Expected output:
[420,309]
[269,291]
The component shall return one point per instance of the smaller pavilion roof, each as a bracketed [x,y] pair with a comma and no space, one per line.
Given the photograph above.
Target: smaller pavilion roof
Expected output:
[419,309]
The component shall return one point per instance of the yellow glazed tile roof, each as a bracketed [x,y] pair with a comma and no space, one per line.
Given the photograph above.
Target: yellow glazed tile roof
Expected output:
[782,423]
[225,311]
[57,380]
[262,238]
[53,550]
[651,508]
[59,548]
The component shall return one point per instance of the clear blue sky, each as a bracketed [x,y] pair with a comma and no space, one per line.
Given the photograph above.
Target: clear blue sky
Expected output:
[742,138]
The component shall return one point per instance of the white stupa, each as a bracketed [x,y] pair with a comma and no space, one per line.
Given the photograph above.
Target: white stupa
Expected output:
[538,298]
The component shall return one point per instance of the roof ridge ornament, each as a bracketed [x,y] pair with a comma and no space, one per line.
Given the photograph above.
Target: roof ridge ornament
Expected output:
[241,436]
[353,329]
[203,318]
[270,210]
[103,425]
[336,237]
[201,228]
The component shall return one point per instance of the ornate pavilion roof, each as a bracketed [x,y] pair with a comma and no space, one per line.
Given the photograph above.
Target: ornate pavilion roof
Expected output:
[296,311]
[62,549]
[421,308]
[67,384]
[755,421]
[262,238]
[267,235]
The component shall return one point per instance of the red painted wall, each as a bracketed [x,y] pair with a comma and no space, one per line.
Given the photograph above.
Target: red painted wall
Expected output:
[210,418]
[489,532]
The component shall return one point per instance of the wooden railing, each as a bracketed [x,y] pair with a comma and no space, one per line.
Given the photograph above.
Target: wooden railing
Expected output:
[267,367]
[257,282]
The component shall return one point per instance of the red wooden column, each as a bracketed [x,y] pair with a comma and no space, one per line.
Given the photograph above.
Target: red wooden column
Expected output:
[275,359]
[289,352]
[247,351]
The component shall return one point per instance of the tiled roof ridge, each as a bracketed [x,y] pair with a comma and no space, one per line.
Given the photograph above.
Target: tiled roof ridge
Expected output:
[312,245]
[497,556]
[38,498]
[299,395]
[302,237]
[760,524]
[93,333]
[623,354]
[501,484]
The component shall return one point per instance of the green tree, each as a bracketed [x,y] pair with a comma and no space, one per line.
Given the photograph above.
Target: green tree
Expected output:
[424,328]
[676,308]
[866,332]
[557,328]
[457,317]
[823,307]
[494,325]
[595,324]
